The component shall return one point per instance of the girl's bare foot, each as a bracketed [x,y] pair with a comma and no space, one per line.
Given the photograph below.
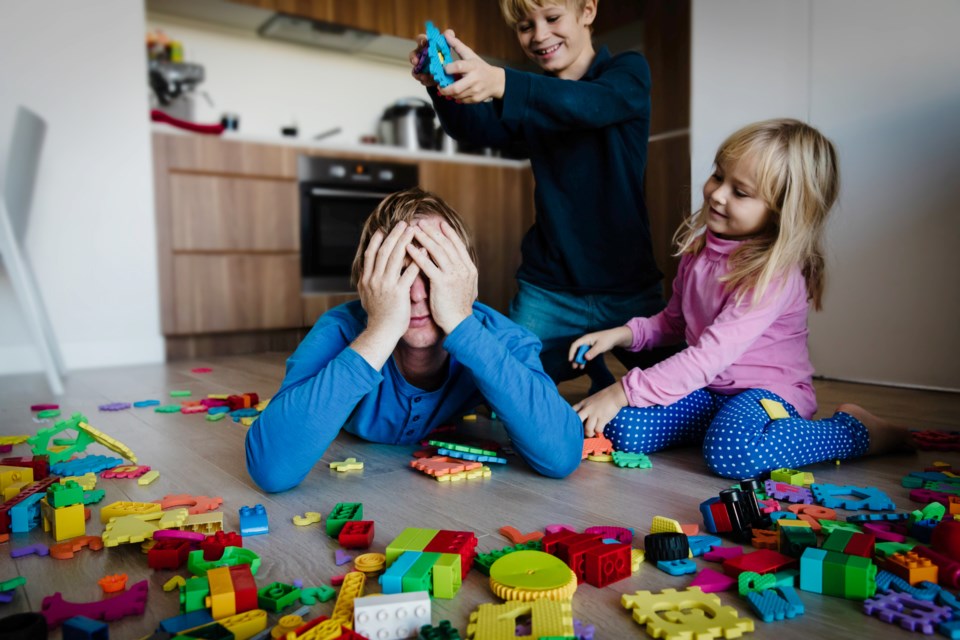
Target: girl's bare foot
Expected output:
[885,437]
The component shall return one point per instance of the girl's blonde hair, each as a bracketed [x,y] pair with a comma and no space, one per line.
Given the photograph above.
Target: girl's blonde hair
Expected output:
[516,10]
[798,178]
[405,206]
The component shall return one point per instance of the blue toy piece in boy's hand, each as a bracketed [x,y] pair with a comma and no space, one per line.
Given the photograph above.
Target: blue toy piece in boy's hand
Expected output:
[581,352]
[434,56]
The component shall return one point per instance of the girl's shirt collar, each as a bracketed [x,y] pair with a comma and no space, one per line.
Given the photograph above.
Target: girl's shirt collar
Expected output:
[719,248]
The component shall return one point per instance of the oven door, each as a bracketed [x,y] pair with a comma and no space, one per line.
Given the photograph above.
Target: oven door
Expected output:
[330,227]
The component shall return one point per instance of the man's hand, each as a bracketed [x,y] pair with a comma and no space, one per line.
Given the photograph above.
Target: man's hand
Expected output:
[445,262]
[600,342]
[384,289]
[600,408]
[425,78]
[478,80]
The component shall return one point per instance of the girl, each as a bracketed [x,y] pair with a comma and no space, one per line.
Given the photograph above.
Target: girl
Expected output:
[751,265]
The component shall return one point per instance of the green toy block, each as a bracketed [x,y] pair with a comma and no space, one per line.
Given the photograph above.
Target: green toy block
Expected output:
[193,594]
[19,581]
[789,476]
[887,549]
[64,495]
[443,631]
[794,540]
[787,577]
[484,561]
[39,443]
[447,575]
[829,526]
[277,596]
[341,514]
[418,577]
[834,573]
[410,539]
[231,556]
[312,595]
[837,541]
[911,482]
[93,497]
[180,394]
[860,581]
[933,511]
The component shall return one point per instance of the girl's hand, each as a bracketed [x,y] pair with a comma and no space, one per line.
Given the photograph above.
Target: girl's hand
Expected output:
[600,408]
[423,78]
[600,342]
[478,80]
[446,263]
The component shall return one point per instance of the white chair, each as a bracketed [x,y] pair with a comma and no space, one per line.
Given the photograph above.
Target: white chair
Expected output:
[22,162]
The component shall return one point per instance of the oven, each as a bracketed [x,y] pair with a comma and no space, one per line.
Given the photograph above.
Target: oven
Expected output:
[336,197]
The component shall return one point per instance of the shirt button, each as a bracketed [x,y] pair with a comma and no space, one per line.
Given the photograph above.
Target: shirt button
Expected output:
[416,418]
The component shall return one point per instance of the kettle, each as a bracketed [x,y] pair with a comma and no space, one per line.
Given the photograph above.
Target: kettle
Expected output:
[409,123]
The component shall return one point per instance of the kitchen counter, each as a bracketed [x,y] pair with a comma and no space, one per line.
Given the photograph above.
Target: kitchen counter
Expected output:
[335,146]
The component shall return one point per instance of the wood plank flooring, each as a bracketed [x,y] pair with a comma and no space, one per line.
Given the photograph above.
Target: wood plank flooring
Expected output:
[203,458]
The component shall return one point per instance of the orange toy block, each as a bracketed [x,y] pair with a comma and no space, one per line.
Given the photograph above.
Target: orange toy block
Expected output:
[812,514]
[596,446]
[113,584]
[513,535]
[912,567]
[66,550]
[443,465]
[763,539]
[195,504]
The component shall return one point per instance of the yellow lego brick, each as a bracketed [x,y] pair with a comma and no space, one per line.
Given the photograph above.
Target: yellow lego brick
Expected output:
[10,475]
[351,589]
[88,481]
[14,489]
[119,509]
[221,601]
[783,522]
[661,524]
[63,523]
[148,477]
[789,476]
[208,523]
[114,445]
[139,527]
[636,559]
[245,625]
[774,409]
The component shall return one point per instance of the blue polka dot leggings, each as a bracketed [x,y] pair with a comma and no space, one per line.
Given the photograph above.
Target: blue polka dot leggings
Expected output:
[739,439]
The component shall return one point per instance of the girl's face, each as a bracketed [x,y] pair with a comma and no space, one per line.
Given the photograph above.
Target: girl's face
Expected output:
[557,37]
[734,208]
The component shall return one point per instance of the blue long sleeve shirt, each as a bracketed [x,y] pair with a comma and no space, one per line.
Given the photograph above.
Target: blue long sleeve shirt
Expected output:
[329,386]
[587,141]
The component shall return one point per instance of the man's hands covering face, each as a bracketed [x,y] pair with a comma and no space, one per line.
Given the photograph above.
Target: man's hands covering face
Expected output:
[384,285]
[445,261]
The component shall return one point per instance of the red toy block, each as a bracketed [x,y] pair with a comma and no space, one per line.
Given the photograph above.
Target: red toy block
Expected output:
[244,587]
[244,401]
[551,541]
[356,534]
[607,563]
[563,548]
[213,545]
[169,554]
[761,561]
[576,554]
[721,519]
[463,543]
[946,538]
[861,544]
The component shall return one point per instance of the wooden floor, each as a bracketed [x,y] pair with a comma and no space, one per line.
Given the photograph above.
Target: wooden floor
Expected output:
[203,458]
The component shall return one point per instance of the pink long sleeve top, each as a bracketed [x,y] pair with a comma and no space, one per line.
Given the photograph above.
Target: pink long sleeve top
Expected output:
[731,347]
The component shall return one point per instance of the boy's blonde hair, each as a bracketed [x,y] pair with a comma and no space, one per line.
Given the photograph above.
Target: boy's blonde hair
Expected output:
[798,178]
[516,10]
[405,206]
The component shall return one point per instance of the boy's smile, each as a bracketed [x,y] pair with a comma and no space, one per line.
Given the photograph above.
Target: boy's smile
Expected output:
[558,39]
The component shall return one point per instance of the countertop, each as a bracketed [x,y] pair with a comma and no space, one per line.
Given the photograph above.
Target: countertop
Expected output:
[333,145]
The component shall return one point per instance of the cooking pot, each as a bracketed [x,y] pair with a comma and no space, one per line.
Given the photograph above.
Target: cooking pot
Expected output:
[409,123]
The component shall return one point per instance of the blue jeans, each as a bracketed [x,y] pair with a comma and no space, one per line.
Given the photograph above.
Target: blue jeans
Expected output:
[558,318]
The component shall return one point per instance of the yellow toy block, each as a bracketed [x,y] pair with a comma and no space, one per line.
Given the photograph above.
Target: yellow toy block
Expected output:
[789,476]
[683,615]
[661,524]
[207,523]
[13,440]
[114,445]
[10,475]
[222,602]
[548,618]
[350,464]
[63,523]
[148,477]
[447,576]
[140,527]
[774,409]
[174,583]
[88,481]
[262,405]
[245,625]
[783,522]
[350,590]
[14,489]
[469,474]
[120,509]
[218,396]
[636,559]
[808,479]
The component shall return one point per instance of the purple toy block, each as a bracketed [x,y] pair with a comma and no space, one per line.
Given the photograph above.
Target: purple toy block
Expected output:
[7,596]
[342,557]
[131,602]
[910,613]
[711,581]
[39,548]
[115,406]
[582,631]
[788,492]
[722,554]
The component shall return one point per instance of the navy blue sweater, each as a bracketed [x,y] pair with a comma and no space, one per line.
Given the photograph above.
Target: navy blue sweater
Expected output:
[587,141]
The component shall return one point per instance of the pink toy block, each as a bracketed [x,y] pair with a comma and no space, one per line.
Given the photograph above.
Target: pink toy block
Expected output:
[711,581]
[129,603]
[722,554]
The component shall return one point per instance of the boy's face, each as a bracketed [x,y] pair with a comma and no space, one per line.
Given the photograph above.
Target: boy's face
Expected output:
[557,37]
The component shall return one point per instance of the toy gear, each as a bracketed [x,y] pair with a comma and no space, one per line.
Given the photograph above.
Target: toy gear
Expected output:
[685,615]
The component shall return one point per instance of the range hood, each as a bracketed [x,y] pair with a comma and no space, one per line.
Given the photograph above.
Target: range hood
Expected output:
[287,28]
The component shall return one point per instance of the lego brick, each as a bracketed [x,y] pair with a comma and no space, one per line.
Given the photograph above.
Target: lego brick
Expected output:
[392,579]
[911,567]
[418,576]
[837,541]
[341,514]
[356,534]
[447,576]
[221,601]
[462,543]
[391,616]
[83,628]
[860,579]
[811,570]
[834,573]
[411,539]
[244,587]
[606,564]
[253,521]
[277,596]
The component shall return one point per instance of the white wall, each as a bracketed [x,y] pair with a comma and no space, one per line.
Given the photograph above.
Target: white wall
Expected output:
[273,84]
[880,78]
[91,237]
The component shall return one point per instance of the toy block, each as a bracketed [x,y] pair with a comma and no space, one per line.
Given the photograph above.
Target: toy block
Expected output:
[40,464]
[834,573]
[624,459]
[118,509]
[148,478]
[637,556]
[244,587]
[410,539]
[341,514]
[26,515]
[911,567]
[253,521]
[131,602]
[351,589]
[887,581]
[722,554]
[214,545]
[231,556]
[706,512]
[205,523]
[860,579]
[551,542]
[184,621]
[852,498]
[886,549]
[391,616]
[596,445]
[66,550]
[548,618]
[83,628]
[701,544]
[277,596]
[685,614]
[447,575]
[462,543]
[661,524]
[356,534]
[787,476]
[764,539]
[861,544]
[418,576]
[760,561]
[811,569]
[750,581]
[443,631]
[948,569]
[193,594]
[350,464]
[776,603]
[220,601]
[711,581]
[946,539]
[677,567]
[606,564]
[788,492]
[909,613]
[169,554]
[837,541]
[15,476]
[65,522]
[575,554]
[392,579]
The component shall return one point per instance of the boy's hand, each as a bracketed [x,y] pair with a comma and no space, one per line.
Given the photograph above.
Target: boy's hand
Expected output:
[600,342]
[478,80]
[426,79]
[600,408]
[445,261]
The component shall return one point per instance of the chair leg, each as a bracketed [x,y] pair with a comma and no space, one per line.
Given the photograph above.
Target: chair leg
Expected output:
[30,300]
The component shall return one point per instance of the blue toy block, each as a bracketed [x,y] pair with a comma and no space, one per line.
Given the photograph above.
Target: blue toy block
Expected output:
[926,590]
[83,628]
[811,569]
[392,579]
[140,404]
[946,599]
[776,604]
[677,567]
[950,629]
[922,530]
[878,517]
[476,457]
[699,545]
[176,624]
[212,411]
[850,497]
[253,521]
[81,466]
[243,413]
[25,515]
[438,55]
[782,515]
[708,522]
[582,351]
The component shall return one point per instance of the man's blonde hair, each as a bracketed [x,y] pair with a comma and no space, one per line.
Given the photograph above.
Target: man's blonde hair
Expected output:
[516,10]
[405,206]
[798,178]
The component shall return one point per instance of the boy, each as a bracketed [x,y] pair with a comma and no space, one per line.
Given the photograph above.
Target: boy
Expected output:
[587,261]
